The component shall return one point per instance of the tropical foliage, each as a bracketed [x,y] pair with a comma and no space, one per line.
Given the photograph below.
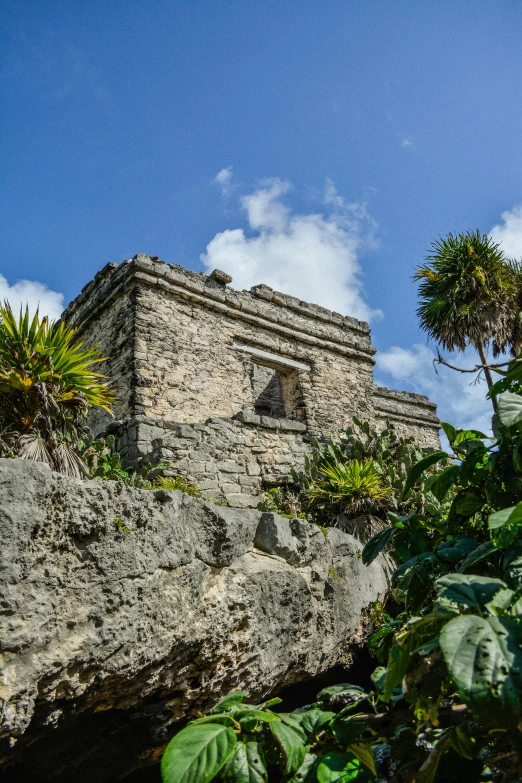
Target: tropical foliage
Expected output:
[470,295]
[47,385]
[352,482]
[447,698]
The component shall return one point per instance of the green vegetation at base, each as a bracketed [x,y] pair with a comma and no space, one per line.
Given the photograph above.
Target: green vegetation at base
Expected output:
[447,698]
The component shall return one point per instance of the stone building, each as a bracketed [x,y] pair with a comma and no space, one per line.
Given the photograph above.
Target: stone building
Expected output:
[230,386]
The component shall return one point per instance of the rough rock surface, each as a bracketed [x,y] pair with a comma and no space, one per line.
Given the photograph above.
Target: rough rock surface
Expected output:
[123,611]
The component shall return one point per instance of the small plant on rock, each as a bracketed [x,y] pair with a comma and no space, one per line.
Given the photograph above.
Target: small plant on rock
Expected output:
[282,501]
[177,483]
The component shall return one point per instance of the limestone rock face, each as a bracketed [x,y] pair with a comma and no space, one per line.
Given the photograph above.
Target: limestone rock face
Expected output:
[123,611]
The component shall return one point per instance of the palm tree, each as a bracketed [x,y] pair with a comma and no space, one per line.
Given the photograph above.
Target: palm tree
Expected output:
[467,296]
[47,385]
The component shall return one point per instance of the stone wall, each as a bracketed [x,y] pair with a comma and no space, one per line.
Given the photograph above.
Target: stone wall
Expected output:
[126,611]
[411,415]
[235,459]
[184,347]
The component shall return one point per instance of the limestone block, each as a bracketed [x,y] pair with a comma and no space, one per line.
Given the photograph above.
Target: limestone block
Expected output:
[267,421]
[228,487]
[183,431]
[253,468]
[229,466]
[274,535]
[242,501]
[248,417]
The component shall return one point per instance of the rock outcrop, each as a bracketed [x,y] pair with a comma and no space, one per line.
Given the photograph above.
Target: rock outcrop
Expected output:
[123,611]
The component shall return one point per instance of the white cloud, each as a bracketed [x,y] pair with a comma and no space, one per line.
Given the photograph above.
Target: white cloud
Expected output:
[223,178]
[406,141]
[312,256]
[509,232]
[34,294]
[459,400]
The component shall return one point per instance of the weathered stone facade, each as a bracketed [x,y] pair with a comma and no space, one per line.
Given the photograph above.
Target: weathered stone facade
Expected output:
[268,369]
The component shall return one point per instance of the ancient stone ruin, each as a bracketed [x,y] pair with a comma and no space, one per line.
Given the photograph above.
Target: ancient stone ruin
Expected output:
[126,611]
[230,386]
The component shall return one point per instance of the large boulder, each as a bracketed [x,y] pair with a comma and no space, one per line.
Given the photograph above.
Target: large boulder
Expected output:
[124,611]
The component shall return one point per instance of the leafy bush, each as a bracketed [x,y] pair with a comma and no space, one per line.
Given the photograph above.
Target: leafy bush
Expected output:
[47,385]
[353,494]
[244,743]
[353,481]
[447,697]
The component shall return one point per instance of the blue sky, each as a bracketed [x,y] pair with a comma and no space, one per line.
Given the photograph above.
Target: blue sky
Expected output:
[315,145]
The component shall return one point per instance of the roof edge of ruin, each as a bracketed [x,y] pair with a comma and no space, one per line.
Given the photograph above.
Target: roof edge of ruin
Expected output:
[112,276]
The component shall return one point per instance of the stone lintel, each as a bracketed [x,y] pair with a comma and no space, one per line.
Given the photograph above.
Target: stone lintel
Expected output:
[272,359]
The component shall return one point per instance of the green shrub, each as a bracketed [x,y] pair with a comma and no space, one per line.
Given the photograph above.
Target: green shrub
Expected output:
[47,385]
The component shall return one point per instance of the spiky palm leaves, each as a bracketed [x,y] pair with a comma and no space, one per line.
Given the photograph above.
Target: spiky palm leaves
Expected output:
[352,493]
[468,295]
[47,384]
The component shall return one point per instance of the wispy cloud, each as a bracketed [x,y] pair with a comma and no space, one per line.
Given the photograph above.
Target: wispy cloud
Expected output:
[314,256]
[34,294]
[407,141]
[459,399]
[224,178]
[509,232]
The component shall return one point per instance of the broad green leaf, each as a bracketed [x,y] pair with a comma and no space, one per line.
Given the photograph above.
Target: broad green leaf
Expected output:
[197,753]
[225,718]
[230,700]
[420,467]
[378,676]
[306,772]
[464,742]
[312,721]
[246,765]
[249,720]
[505,516]
[501,602]
[455,550]
[443,482]
[482,551]
[346,731]
[399,520]
[510,409]
[466,591]
[342,689]
[398,662]
[484,658]
[463,436]
[450,431]
[467,502]
[291,744]
[364,753]
[337,767]
[294,721]
[376,544]
[272,702]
